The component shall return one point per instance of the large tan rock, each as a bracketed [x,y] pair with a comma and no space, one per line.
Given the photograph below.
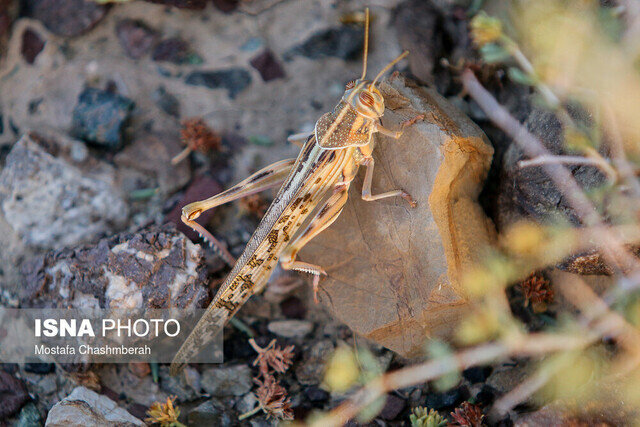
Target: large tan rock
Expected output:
[394,272]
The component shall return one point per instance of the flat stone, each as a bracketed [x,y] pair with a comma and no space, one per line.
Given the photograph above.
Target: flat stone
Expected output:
[394,272]
[291,328]
[84,407]
[234,80]
[68,200]
[100,117]
[67,18]
[227,380]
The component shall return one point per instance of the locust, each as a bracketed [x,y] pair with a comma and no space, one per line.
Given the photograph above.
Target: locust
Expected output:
[313,192]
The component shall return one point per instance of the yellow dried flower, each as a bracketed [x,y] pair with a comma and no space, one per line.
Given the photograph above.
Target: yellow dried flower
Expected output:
[164,414]
[485,29]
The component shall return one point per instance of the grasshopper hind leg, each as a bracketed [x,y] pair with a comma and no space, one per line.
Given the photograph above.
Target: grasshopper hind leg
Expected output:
[268,177]
[323,219]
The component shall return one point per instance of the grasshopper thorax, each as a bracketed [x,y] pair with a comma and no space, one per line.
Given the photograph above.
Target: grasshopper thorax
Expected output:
[364,98]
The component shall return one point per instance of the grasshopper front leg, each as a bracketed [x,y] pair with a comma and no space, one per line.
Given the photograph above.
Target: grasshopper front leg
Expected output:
[323,219]
[369,163]
[268,177]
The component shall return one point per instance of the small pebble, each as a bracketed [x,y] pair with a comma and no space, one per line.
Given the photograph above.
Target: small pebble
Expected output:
[13,394]
[227,380]
[32,45]
[234,80]
[291,328]
[100,116]
[392,407]
[135,37]
[445,399]
[267,65]
[343,42]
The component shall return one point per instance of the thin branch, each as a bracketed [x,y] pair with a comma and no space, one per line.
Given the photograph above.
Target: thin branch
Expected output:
[613,249]
[530,345]
[603,165]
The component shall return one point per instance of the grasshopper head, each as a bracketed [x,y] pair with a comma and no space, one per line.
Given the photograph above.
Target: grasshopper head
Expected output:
[365,98]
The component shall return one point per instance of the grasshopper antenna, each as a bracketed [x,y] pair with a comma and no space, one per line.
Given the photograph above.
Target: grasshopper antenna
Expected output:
[366,43]
[388,67]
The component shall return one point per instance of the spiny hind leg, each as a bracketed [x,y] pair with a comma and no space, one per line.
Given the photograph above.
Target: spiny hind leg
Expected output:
[323,219]
[369,163]
[266,178]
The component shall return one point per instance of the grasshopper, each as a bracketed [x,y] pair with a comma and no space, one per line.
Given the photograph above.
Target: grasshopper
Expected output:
[327,164]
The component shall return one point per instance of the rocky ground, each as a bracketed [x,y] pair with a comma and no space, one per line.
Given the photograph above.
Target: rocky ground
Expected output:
[93,100]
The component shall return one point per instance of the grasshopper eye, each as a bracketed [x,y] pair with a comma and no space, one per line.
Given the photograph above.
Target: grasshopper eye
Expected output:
[366,99]
[351,84]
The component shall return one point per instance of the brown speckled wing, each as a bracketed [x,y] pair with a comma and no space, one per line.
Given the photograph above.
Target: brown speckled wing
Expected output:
[351,131]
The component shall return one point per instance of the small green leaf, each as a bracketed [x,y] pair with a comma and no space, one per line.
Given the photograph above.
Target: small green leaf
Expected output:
[261,140]
[518,76]
[371,410]
[493,53]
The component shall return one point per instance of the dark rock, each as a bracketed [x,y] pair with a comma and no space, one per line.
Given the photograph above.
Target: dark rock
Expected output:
[343,42]
[200,188]
[267,65]
[148,264]
[166,101]
[67,18]
[13,394]
[316,394]
[175,50]
[234,80]
[310,371]
[528,193]
[182,4]
[32,45]
[100,116]
[477,374]
[40,368]
[211,413]
[485,396]
[445,399]
[226,6]
[293,308]
[417,23]
[135,37]
[392,407]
